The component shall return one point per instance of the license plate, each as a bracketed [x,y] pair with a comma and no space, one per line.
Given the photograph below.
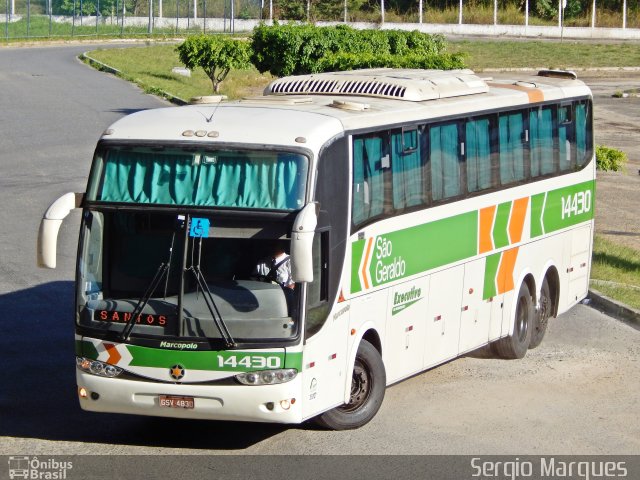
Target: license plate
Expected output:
[171,401]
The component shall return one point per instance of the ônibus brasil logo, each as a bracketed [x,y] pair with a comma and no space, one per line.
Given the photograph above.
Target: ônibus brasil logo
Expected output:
[35,468]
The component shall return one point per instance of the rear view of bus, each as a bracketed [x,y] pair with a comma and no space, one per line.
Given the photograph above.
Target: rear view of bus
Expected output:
[413,211]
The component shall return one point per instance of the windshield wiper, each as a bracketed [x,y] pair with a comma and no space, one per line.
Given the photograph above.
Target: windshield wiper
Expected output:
[209,301]
[163,270]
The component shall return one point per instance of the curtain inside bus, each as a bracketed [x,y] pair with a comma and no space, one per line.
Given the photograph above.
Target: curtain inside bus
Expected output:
[445,161]
[407,168]
[581,134]
[368,182]
[541,141]
[478,155]
[265,180]
[564,137]
[511,130]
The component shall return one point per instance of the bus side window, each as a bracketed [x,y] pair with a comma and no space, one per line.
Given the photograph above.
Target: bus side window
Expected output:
[566,141]
[511,141]
[583,133]
[541,141]
[478,155]
[444,159]
[368,180]
[407,165]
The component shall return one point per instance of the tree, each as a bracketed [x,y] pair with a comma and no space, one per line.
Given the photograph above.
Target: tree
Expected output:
[215,54]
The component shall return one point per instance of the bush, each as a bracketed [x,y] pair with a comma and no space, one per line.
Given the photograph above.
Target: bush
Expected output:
[610,159]
[302,49]
[350,61]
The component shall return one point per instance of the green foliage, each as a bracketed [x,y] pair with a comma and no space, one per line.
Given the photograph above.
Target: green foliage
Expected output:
[610,159]
[215,54]
[302,49]
[350,61]
[548,9]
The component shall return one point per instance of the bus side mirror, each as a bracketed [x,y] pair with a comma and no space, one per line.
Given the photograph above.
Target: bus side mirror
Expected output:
[50,225]
[304,229]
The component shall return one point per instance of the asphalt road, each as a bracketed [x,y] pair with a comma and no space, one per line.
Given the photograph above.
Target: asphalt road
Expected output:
[575,394]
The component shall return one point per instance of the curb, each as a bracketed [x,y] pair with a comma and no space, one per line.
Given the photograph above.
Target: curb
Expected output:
[103,67]
[614,308]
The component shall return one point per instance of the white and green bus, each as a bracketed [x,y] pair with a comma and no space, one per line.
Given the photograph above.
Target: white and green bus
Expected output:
[426,214]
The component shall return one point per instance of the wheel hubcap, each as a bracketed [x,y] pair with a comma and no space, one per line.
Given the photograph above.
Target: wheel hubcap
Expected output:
[360,387]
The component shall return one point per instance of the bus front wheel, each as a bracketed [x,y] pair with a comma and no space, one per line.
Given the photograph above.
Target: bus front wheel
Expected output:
[368,383]
[516,344]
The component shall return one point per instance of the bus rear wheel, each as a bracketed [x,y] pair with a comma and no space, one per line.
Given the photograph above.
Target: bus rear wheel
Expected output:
[516,345]
[542,316]
[368,383]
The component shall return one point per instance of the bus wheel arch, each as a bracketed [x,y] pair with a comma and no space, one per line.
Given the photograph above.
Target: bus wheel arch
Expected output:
[553,279]
[516,344]
[547,305]
[368,385]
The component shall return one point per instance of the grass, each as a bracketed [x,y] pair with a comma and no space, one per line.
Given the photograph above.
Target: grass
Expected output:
[617,264]
[549,54]
[150,67]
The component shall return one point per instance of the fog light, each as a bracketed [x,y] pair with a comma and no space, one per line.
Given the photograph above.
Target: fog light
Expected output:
[269,406]
[285,404]
[82,392]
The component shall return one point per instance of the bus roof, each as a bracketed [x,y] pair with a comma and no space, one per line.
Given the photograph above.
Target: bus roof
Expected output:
[306,111]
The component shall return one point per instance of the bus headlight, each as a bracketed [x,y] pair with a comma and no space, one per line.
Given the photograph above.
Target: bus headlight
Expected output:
[267,377]
[96,367]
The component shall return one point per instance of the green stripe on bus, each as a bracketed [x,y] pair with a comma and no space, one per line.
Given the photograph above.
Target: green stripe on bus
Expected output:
[414,250]
[568,206]
[537,203]
[357,250]
[500,235]
[86,349]
[226,360]
[490,273]
[417,249]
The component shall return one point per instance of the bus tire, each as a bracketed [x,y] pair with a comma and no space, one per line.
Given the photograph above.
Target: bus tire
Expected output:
[542,316]
[368,385]
[516,345]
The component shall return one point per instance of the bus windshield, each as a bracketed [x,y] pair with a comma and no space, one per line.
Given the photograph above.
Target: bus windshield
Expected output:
[213,178]
[149,265]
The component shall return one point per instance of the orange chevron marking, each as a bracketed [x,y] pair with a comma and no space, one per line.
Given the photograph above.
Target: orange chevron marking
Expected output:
[535,95]
[516,224]
[505,271]
[366,262]
[486,223]
[114,354]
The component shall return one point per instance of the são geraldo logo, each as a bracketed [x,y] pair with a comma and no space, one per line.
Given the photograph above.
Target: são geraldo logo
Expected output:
[35,468]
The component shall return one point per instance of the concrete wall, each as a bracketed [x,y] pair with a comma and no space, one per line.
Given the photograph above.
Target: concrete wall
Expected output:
[239,26]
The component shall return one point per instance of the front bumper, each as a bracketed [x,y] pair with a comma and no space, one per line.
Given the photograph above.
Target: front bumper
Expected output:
[264,403]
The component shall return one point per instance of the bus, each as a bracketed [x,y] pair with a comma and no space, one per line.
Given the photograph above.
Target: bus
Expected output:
[425,213]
